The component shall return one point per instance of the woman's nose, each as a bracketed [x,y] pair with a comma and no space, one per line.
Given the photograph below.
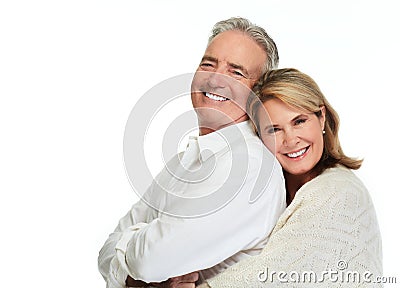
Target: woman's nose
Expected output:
[290,138]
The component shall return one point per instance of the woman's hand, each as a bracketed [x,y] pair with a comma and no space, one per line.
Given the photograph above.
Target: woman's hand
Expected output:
[184,281]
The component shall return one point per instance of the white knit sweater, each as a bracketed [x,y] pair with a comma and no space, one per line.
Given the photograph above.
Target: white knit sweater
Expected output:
[329,226]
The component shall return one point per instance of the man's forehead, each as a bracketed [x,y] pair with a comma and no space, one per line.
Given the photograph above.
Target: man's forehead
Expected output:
[238,50]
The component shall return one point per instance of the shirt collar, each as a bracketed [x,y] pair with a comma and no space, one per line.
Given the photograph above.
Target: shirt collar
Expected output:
[216,141]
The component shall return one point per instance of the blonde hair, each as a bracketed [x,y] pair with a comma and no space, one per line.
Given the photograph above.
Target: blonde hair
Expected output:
[300,91]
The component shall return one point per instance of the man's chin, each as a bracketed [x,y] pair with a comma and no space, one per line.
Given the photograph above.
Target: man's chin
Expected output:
[214,125]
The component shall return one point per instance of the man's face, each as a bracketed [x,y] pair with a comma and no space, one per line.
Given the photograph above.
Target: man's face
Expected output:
[231,65]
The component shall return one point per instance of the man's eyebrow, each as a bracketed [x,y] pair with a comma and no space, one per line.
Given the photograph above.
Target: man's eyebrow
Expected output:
[209,58]
[240,67]
[230,64]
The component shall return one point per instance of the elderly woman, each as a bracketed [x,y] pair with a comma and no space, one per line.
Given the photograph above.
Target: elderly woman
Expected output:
[329,235]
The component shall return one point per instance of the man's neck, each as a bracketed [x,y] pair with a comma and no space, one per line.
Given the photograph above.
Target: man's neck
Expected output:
[204,130]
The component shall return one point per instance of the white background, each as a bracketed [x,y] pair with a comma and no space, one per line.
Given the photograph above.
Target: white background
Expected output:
[71,71]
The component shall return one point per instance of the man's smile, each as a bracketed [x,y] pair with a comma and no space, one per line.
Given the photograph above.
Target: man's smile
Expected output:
[215,97]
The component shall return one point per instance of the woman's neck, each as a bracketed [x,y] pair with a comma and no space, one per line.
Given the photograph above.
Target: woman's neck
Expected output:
[295,182]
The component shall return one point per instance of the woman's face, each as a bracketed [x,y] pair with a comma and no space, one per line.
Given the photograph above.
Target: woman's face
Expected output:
[298,136]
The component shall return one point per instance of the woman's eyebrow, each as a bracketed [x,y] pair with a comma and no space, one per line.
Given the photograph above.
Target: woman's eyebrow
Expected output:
[293,120]
[298,116]
[270,126]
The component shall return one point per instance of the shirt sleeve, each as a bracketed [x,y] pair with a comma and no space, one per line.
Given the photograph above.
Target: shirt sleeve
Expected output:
[171,246]
[138,215]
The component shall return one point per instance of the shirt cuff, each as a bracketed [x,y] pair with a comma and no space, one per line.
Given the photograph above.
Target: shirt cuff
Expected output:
[117,275]
[122,271]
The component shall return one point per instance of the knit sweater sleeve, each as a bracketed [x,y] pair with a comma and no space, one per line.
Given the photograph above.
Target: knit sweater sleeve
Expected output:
[330,226]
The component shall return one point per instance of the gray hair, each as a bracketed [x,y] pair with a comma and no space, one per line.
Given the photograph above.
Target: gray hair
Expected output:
[257,33]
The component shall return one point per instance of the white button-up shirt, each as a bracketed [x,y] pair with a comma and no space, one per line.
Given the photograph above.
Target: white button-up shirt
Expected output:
[211,206]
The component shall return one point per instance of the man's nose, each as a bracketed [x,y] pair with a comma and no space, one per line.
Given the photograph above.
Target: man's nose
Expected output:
[217,80]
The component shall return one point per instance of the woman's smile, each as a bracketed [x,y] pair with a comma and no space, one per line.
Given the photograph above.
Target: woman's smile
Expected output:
[298,155]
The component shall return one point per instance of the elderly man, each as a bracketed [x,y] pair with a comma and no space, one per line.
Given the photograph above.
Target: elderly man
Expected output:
[154,244]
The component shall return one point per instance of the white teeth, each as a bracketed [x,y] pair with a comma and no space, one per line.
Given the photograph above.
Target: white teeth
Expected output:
[215,97]
[297,154]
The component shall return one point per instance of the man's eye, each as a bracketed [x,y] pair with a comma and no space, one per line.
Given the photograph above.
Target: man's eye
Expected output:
[206,65]
[237,73]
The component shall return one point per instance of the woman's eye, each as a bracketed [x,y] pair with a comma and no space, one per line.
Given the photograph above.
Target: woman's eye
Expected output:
[299,121]
[273,130]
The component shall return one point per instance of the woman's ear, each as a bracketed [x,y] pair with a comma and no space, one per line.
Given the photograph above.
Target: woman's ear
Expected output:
[322,117]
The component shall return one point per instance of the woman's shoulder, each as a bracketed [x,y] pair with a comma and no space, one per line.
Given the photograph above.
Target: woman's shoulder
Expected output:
[336,180]
[338,175]
[337,200]
[334,185]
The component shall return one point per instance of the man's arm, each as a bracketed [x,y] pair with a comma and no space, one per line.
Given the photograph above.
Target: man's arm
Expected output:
[170,246]
[139,213]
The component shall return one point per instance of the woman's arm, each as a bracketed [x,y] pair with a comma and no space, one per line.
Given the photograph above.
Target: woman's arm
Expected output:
[330,222]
